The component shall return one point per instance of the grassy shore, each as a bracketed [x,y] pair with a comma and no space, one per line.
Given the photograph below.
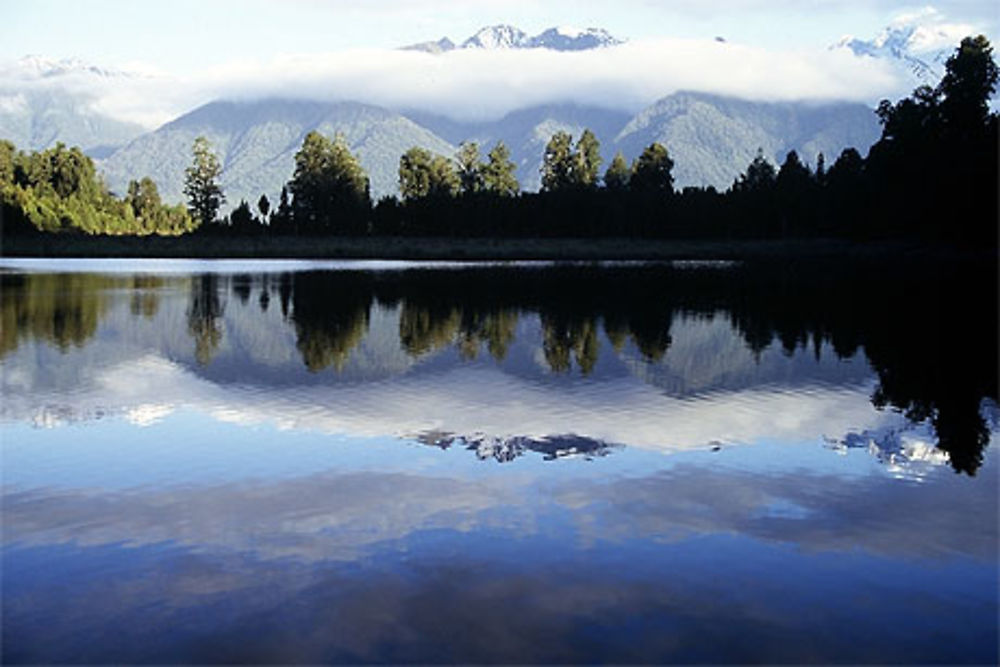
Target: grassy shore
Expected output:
[207,246]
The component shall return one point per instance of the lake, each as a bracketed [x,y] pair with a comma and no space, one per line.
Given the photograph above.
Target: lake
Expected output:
[370,462]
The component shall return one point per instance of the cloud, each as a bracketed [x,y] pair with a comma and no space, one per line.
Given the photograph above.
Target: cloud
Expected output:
[138,93]
[351,568]
[337,514]
[931,30]
[484,84]
[473,84]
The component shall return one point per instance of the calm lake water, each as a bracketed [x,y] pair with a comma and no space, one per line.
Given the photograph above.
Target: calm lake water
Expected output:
[293,462]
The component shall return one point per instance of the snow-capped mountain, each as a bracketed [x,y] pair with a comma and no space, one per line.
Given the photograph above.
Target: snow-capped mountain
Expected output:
[510,37]
[572,39]
[918,44]
[497,37]
[906,450]
[505,450]
[44,101]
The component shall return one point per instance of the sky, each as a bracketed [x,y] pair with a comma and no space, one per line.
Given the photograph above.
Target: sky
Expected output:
[197,50]
[182,36]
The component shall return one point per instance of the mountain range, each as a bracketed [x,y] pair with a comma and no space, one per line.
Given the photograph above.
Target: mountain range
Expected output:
[509,37]
[712,138]
[256,143]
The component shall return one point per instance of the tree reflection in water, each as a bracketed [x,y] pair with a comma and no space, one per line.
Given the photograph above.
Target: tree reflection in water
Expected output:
[929,331]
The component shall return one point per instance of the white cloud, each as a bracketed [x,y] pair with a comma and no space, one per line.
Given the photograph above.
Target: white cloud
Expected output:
[931,31]
[480,84]
[468,401]
[13,103]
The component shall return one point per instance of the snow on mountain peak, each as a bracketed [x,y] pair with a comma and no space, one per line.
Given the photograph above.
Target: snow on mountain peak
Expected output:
[503,36]
[496,37]
[35,66]
[918,42]
[569,31]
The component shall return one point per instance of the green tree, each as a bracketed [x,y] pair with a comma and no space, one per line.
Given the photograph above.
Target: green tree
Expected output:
[144,199]
[415,173]
[588,159]
[423,174]
[617,175]
[558,163]
[201,185]
[498,172]
[470,168]
[652,170]
[7,153]
[149,214]
[329,186]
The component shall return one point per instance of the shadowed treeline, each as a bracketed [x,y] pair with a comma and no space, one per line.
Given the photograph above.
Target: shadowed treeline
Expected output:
[928,330]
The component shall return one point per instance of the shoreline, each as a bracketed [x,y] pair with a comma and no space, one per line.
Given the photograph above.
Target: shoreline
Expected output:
[474,249]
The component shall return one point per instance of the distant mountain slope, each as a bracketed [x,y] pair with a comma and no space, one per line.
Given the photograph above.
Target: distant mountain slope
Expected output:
[257,141]
[712,138]
[525,132]
[510,37]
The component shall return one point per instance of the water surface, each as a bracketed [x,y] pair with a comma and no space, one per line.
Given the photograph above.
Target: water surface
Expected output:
[390,462]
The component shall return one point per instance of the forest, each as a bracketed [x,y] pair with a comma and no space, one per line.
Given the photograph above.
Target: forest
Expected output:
[931,176]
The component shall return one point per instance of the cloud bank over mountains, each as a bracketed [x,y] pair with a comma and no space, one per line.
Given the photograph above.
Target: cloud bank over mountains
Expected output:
[475,83]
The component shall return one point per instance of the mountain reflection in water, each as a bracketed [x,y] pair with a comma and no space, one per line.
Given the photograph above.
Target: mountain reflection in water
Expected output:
[522,464]
[934,356]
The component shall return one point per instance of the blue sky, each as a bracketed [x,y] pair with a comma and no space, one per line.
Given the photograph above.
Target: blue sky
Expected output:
[182,36]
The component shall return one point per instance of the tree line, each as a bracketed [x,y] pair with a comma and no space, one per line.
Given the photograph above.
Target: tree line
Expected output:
[932,175]
[58,189]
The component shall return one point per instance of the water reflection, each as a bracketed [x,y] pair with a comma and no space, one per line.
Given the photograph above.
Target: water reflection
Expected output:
[62,309]
[935,358]
[383,566]
[468,465]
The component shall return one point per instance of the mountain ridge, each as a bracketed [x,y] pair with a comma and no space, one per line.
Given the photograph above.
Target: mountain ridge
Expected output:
[505,36]
[711,138]
[257,141]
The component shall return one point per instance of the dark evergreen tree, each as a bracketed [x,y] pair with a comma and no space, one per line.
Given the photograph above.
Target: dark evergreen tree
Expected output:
[588,160]
[558,163]
[242,220]
[470,168]
[423,174]
[264,206]
[652,171]
[794,191]
[759,176]
[498,172]
[617,176]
